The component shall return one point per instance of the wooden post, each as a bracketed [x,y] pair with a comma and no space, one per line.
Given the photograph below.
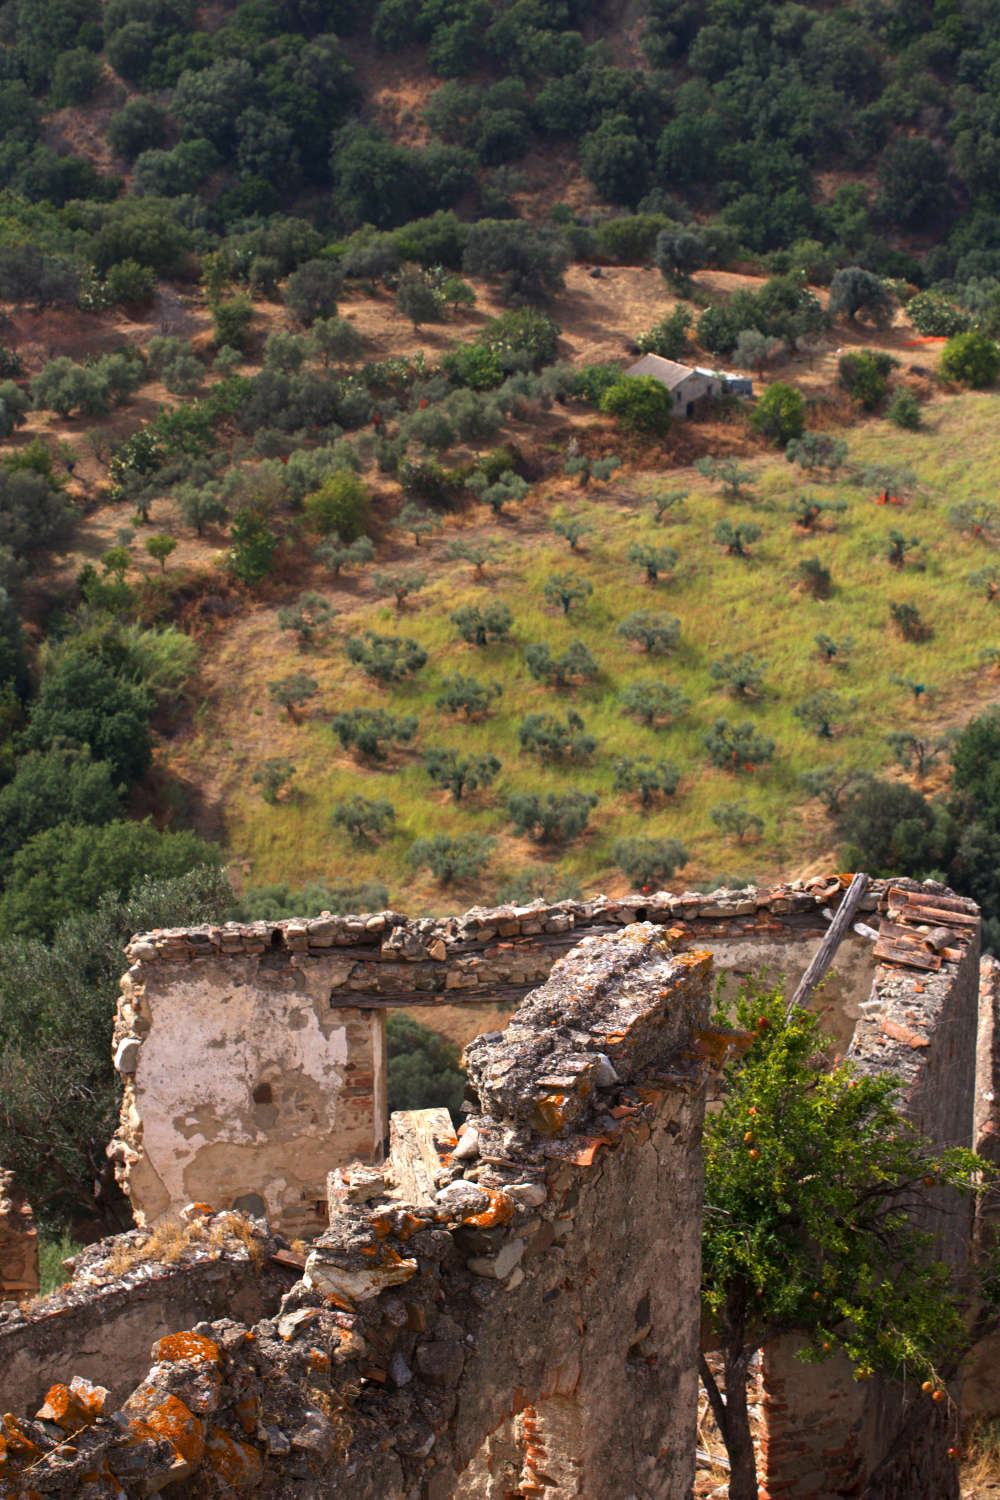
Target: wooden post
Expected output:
[828,947]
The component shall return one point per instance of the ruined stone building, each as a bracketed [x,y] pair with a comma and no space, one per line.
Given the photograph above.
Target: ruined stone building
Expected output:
[322,1302]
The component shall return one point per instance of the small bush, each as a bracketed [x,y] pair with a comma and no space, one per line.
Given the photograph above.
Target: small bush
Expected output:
[779,413]
[292,693]
[654,702]
[550,739]
[341,507]
[669,337]
[553,819]
[655,633]
[461,773]
[591,382]
[370,731]
[310,617]
[386,658]
[904,410]
[934,316]
[363,818]
[273,776]
[649,778]
[252,545]
[909,622]
[737,747]
[231,321]
[865,377]
[449,859]
[735,820]
[479,627]
[971,359]
[649,862]
[576,664]
[815,578]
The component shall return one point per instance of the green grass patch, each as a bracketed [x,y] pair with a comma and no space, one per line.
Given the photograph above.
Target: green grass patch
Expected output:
[51,1254]
[724,603]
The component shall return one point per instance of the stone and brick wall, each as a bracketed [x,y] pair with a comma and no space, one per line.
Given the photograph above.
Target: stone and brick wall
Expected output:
[512,1317]
[251,1053]
[981,1392]
[824,1432]
[18,1243]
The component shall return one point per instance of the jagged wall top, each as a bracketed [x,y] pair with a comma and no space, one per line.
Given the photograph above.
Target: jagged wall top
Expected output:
[398,936]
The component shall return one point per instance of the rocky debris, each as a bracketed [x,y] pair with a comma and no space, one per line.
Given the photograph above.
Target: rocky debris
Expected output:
[360,1381]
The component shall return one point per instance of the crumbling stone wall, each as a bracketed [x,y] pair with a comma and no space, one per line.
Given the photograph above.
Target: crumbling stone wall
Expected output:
[981,1388]
[518,1301]
[251,1053]
[824,1432]
[18,1243]
[123,1295]
[522,1317]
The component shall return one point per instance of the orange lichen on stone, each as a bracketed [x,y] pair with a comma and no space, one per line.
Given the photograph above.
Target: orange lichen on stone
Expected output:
[104,1476]
[550,1112]
[409,1224]
[172,1420]
[18,1445]
[236,1463]
[246,1410]
[697,959]
[391,1257]
[67,1410]
[318,1360]
[500,1211]
[188,1345]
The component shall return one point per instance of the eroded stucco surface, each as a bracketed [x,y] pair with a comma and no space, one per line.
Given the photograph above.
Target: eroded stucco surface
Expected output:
[242,1080]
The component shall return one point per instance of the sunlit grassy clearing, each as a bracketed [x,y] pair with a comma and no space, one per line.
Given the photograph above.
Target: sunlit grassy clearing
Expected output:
[724,604]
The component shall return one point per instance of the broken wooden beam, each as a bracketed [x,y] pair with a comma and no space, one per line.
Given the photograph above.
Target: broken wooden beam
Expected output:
[824,955]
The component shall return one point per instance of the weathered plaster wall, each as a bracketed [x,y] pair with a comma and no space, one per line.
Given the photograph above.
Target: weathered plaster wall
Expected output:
[424,1334]
[239,1078]
[253,1056]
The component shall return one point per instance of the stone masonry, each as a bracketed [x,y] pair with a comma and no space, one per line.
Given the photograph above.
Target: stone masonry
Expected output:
[824,1432]
[513,1312]
[251,1053]
[502,1321]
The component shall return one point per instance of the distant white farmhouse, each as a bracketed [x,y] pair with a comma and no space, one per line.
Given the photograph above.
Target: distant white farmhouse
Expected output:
[689,385]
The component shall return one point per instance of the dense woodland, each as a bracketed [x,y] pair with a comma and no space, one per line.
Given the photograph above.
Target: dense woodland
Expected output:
[241,159]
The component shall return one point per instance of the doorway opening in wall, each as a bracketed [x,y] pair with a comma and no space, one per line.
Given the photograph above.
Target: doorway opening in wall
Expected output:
[424,1047]
[423,1066]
